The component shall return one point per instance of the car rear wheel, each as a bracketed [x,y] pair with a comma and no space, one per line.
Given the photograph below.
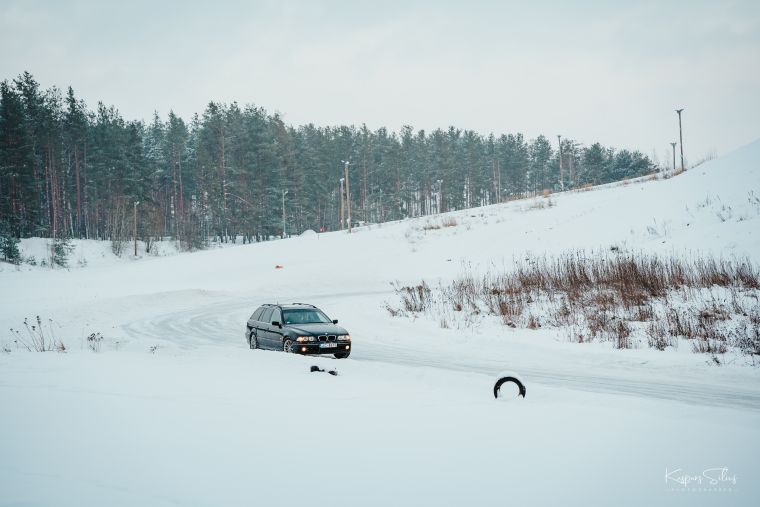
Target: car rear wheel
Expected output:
[253,343]
[287,346]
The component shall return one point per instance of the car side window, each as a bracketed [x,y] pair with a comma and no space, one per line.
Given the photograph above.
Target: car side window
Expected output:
[257,313]
[276,316]
[265,315]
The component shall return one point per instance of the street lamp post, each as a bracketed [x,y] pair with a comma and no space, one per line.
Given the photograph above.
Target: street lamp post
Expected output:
[342,211]
[134,226]
[680,135]
[348,194]
[674,156]
[284,193]
[561,175]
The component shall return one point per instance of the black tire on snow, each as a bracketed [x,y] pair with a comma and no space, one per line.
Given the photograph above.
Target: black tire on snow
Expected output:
[342,355]
[503,380]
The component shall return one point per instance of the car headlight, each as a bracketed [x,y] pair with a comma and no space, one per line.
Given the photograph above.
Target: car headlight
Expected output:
[346,337]
[305,339]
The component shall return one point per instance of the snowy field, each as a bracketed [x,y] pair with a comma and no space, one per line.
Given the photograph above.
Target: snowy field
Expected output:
[175,410]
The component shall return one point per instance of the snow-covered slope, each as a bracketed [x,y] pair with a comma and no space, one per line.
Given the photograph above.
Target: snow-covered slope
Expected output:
[410,421]
[714,207]
[82,253]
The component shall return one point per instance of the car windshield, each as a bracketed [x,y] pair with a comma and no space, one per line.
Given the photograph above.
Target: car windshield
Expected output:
[305,316]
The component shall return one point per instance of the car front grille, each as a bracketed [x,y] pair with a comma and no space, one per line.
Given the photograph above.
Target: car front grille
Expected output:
[327,337]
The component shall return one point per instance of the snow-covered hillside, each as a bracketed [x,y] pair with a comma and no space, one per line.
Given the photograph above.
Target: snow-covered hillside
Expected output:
[174,409]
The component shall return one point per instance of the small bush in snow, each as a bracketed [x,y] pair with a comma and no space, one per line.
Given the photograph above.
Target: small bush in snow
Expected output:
[416,298]
[118,247]
[621,335]
[94,340]
[445,222]
[9,245]
[709,346]
[541,204]
[36,338]
[749,340]
[60,252]
[394,312]
[658,337]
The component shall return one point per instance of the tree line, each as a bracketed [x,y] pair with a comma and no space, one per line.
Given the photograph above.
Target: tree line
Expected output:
[67,171]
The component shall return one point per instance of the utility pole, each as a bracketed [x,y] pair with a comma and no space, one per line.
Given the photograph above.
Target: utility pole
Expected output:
[342,212]
[674,156]
[680,134]
[134,226]
[348,195]
[561,174]
[284,193]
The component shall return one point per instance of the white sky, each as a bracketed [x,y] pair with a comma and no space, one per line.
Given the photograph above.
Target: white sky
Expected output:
[594,71]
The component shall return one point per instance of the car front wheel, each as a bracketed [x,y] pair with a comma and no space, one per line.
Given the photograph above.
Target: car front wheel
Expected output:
[342,355]
[287,346]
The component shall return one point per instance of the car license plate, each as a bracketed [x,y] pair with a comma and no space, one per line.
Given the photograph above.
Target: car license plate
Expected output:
[328,345]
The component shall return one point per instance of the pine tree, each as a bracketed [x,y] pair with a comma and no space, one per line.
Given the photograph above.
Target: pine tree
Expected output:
[9,244]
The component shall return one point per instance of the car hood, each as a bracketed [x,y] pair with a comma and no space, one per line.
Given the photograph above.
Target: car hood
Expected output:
[316,329]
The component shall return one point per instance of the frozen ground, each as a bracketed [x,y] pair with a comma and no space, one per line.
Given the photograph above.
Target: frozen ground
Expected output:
[411,419]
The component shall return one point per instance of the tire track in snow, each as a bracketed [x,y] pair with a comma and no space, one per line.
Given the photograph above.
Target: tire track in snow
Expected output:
[222,324]
[692,392]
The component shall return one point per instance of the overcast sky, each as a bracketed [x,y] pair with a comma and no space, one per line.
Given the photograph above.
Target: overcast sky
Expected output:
[594,71]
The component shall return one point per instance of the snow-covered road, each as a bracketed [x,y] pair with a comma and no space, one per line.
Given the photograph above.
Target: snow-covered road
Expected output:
[221,324]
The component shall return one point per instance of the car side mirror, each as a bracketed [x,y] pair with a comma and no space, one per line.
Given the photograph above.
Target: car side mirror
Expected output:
[335,321]
[276,324]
